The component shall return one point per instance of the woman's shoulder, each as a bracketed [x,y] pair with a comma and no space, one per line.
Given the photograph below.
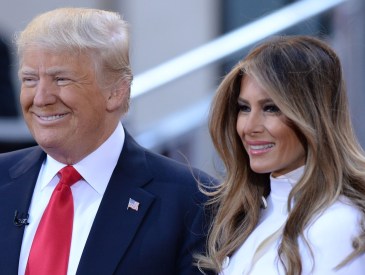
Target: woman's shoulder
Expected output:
[331,235]
[340,217]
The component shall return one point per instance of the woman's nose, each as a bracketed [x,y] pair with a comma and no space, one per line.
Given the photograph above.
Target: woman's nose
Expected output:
[253,123]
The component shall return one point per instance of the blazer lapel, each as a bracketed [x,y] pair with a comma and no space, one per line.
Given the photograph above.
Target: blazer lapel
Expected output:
[116,224]
[16,196]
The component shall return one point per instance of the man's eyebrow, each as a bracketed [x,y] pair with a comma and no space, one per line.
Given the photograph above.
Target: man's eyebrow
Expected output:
[57,70]
[27,70]
[49,71]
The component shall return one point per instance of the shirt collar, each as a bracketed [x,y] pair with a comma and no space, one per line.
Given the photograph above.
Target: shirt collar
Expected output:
[282,185]
[96,168]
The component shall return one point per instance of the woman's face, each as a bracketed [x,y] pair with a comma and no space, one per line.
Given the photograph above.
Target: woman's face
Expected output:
[272,146]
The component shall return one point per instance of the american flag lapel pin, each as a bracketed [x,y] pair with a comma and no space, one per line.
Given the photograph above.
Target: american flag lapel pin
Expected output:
[132,204]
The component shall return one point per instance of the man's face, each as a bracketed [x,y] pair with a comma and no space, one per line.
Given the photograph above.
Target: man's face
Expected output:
[62,103]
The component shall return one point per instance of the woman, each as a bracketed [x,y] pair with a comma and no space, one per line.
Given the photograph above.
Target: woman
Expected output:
[293,198]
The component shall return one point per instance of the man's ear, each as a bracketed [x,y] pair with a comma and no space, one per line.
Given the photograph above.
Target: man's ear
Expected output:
[118,97]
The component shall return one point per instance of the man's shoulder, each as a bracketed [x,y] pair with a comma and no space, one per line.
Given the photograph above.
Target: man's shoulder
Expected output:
[10,158]
[167,169]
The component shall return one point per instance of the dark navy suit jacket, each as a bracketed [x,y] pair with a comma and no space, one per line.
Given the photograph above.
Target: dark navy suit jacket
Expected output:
[158,239]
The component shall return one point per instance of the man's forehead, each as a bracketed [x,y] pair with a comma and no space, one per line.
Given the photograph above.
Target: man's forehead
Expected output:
[53,63]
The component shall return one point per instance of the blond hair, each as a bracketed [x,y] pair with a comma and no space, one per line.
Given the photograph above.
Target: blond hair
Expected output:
[101,34]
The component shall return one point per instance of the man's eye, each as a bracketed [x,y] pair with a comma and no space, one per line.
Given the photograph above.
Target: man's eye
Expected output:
[29,81]
[62,81]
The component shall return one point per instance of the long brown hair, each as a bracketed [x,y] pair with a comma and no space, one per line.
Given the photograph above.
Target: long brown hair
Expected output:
[303,76]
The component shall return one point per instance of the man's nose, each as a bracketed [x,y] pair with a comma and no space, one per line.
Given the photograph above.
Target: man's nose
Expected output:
[45,93]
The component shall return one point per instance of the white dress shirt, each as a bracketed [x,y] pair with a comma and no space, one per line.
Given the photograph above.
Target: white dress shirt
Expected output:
[330,236]
[96,170]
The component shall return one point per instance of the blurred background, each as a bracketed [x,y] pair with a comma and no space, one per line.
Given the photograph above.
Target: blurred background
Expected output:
[180,51]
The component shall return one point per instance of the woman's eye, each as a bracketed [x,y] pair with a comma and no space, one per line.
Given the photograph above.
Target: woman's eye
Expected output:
[244,108]
[271,109]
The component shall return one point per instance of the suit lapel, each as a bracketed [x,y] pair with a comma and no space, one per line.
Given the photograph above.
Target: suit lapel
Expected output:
[115,226]
[16,196]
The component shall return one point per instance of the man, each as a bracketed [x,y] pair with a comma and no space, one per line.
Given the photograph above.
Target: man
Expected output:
[134,212]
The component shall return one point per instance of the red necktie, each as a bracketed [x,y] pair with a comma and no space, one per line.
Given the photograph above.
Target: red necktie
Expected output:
[51,244]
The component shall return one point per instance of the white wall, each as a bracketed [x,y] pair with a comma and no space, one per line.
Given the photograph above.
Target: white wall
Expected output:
[160,31]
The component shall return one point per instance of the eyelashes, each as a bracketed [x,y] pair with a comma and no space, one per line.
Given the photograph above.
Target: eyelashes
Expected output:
[271,108]
[267,108]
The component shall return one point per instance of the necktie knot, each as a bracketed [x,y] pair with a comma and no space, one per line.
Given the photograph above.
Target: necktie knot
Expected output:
[69,175]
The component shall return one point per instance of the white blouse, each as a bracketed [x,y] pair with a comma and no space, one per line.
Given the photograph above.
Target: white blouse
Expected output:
[330,237]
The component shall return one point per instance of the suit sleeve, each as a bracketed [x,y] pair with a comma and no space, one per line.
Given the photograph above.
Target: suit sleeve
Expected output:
[197,223]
